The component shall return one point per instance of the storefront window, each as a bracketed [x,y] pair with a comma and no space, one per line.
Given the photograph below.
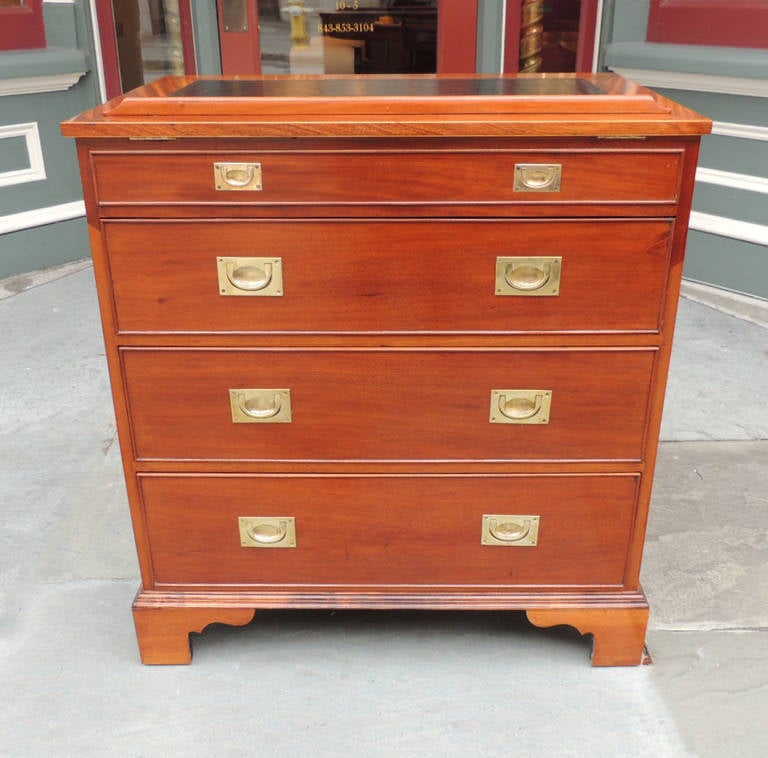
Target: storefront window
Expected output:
[348,36]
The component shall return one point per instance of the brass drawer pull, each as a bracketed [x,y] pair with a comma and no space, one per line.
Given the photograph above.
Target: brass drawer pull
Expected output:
[510,530]
[533,277]
[267,531]
[537,177]
[260,277]
[253,406]
[520,406]
[237,176]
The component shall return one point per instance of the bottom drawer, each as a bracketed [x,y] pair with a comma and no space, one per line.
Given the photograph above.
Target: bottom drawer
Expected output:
[395,530]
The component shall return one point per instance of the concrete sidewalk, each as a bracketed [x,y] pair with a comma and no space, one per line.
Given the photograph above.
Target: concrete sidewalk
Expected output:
[296,683]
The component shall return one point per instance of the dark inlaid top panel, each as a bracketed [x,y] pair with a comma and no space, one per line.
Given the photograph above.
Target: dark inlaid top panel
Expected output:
[388,87]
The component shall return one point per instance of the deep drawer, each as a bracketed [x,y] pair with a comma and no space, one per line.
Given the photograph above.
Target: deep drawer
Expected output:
[403,276]
[387,405]
[388,177]
[389,530]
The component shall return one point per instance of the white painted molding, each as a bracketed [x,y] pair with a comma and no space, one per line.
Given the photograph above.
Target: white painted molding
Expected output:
[30,85]
[746,182]
[36,170]
[729,227]
[96,38]
[727,85]
[503,45]
[58,2]
[16,222]
[598,32]
[742,131]
[745,307]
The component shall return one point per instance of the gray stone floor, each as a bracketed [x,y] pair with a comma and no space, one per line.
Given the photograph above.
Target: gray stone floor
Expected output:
[372,683]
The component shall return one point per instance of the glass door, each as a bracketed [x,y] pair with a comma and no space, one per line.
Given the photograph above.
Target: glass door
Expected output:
[143,40]
[283,37]
[550,36]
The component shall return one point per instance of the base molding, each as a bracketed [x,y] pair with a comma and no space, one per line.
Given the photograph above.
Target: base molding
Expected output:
[616,620]
[745,307]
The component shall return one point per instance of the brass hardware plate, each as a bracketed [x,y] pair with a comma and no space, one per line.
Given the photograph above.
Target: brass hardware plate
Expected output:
[510,530]
[528,277]
[519,406]
[267,531]
[538,177]
[237,177]
[250,277]
[260,406]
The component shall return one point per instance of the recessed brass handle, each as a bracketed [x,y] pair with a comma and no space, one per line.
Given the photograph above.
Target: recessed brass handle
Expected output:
[237,176]
[519,406]
[529,276]
[249,278]
[260,405]
[260,277]
[538,177]
[267,531]
[510,530]
[267,534]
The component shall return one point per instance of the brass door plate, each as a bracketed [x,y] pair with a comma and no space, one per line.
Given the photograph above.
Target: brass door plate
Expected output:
[250,277]
[528,276]
[267,531]
[518,406]
[510,530]
[538,177]
[260,406]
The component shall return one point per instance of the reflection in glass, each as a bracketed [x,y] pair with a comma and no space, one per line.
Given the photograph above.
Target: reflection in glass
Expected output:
[148,40]
[235,14]
[549,34]
[348,36]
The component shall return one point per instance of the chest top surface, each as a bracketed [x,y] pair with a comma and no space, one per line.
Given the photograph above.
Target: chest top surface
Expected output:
[550,105]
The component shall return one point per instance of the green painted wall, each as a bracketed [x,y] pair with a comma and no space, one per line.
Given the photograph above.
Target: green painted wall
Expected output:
[490,24]
[70,49]
[44,246]
[13,154]
[716,259]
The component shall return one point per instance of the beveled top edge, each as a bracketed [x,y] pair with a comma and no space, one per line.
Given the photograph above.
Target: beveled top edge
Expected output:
[339,96]
[606,104]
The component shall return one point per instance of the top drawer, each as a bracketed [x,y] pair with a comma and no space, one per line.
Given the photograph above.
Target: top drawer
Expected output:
[388,177]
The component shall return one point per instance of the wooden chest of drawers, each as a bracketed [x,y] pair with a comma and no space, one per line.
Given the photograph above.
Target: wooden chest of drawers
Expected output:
[389,342]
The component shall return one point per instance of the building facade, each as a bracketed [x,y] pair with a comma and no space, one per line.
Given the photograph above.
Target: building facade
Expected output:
[60,57]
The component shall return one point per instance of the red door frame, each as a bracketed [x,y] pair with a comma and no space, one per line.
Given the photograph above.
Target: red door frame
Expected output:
[457,36]
[108,39]
[240,51]
[726,23]
[22,26]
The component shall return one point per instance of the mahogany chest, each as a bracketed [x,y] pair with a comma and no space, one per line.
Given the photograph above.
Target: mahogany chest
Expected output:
[389,342]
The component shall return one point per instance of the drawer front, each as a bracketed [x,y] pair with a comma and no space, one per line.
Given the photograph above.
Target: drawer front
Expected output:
[389,177]
[387,405]
[404,276]
[388,531]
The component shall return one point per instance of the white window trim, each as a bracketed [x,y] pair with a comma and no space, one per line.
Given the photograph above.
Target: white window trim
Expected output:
[36,170]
